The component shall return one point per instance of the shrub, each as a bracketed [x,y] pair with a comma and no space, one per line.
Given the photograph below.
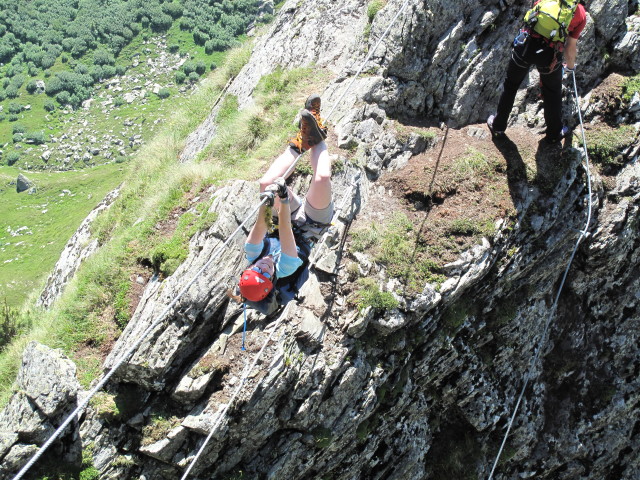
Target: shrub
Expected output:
[18,128]
[3,95]
[11,91]
[17,137]
[189,67]
[180,77]
[174,9]
[2,117]
[174,48]
[10,324]
[36,137]
[164,93]
[49,105]
[118,101]
[370,295]
[13,117]
[103,56]
[63,98]
[108,71]
[121,70]
[201,67]
[12,158]
[160,22]
[32,86]
[373,8]
[15,108]
[82,69]
[194,77]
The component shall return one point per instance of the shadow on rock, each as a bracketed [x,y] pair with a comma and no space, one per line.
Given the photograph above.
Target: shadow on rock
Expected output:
[516,170]
[550,166]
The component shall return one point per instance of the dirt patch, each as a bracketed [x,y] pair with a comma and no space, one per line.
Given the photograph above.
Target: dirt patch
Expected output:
[453,195]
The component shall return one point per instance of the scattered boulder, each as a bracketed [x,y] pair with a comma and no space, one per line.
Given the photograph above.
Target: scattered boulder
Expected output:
[23,183]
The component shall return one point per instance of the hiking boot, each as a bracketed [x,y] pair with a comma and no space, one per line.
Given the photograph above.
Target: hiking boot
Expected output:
[308,135]
[564,132]
[494,133]
[313,105]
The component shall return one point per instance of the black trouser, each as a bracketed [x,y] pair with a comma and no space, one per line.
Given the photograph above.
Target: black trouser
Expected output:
[548,61]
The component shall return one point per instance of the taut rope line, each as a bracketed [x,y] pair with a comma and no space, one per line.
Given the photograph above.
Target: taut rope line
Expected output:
[583,234]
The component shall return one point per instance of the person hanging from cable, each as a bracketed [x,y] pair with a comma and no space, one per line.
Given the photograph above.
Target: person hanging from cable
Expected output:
[551,30]
[279,260]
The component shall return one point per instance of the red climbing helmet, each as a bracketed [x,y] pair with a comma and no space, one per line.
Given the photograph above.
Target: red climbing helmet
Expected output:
[254,286]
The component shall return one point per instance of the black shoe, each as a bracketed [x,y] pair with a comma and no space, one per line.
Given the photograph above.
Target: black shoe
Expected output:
[564,132]
[494,133]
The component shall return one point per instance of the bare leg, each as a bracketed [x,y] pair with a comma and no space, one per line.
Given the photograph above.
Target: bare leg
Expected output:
[278,168]
[319,194]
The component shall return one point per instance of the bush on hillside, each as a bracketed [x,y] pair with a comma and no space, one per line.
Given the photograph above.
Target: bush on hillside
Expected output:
[15,108]
[180,77]
[12,158]
[36,137]
[164,93]
[32,87]
[10,325]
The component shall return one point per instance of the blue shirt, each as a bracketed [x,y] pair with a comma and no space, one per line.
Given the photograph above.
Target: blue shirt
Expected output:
[285,264]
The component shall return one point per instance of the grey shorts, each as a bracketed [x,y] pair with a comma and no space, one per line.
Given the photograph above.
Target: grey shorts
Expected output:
[299,216]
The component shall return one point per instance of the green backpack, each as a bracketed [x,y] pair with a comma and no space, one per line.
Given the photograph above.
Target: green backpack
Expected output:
[551,18]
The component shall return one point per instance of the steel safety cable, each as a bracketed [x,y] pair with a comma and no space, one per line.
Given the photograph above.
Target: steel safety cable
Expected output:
[223,412]
[132,349]
[286,174]
[160,318]
[583,234]
[364,63]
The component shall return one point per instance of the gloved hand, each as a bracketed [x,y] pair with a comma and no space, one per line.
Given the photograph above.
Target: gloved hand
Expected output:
[269,196]
[566,69]
[283,192]
[279,187]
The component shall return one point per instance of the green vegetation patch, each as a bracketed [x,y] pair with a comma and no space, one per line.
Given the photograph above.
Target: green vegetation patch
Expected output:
[370,295]
[606,145]
[158,429]
[394,245]
[34,227]
[630,87]
[323,436]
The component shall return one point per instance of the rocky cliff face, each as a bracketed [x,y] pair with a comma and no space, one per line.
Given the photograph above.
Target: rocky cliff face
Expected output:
[421,391]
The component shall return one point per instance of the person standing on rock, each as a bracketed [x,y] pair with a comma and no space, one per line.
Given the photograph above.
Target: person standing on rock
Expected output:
[551,31]
[279,260]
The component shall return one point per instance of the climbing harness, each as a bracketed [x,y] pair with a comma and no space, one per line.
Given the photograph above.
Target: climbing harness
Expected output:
[582,236]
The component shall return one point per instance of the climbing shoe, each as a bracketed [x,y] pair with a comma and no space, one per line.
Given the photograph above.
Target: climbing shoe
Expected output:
[308,135]
[551,139]
[494,133]
[313,105]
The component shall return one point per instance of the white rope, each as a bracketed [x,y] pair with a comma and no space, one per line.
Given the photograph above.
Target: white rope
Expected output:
[583,234]
[130,351]
[286,174]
